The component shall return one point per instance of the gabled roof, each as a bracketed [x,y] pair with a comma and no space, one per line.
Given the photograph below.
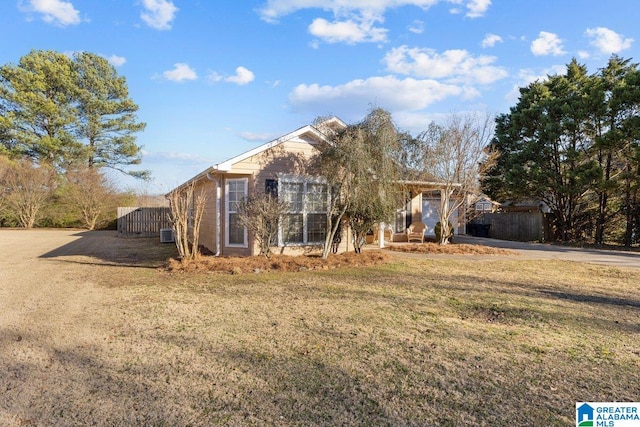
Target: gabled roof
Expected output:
[314,131]
[311,130]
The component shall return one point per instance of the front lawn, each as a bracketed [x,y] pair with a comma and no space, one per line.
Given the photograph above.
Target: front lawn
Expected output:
[413,341]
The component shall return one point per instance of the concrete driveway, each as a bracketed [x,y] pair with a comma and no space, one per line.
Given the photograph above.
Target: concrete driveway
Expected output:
[549,251]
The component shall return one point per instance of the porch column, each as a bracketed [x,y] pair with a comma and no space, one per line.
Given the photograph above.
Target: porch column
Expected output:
[381,235]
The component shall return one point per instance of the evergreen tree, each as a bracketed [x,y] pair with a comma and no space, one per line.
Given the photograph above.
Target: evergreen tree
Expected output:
[544,146]
[613,96]
[38,98]
[107,115]
[68,112]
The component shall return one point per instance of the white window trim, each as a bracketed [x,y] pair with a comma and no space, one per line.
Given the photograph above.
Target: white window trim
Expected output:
[226,198]
[304,180]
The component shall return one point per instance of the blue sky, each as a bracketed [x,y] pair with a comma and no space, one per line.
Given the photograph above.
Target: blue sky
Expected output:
[217,78]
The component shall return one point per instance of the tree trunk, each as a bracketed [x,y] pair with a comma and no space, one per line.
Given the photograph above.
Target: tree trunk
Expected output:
[628,210]
[603,200]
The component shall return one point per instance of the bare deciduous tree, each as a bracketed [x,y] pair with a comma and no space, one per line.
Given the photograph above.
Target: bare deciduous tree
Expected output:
[455,155]
[91,192]
[4,168]
[260,215]
[26,187]
[187,208]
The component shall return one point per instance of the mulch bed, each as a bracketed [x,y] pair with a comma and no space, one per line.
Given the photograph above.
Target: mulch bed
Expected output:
[450,249]
[287,263]
[278,263]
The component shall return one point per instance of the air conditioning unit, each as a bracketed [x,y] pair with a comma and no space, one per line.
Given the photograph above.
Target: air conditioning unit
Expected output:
[166,235]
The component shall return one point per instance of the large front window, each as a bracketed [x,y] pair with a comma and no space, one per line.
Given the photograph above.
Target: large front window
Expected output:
[236,190]
[306,220]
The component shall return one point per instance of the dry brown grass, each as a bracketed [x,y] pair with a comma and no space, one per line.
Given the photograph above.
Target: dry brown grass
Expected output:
[410,342]
[432,342]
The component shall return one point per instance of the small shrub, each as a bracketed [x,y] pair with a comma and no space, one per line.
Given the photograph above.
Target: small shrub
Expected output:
[438,231]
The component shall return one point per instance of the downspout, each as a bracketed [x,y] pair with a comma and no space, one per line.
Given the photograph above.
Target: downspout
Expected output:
[218,225]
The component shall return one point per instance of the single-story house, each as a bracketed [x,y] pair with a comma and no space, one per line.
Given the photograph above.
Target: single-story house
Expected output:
[280,167]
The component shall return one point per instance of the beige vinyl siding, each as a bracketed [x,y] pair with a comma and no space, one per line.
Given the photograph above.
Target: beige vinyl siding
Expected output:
[289,157]
[208,225]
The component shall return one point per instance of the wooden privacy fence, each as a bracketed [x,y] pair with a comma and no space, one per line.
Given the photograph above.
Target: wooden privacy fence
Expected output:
[142,222]
[518,226]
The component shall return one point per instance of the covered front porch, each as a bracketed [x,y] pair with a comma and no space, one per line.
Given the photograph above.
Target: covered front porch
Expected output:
[422,204]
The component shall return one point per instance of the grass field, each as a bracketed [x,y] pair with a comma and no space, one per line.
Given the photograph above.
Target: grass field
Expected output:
[417,343]
[438,342]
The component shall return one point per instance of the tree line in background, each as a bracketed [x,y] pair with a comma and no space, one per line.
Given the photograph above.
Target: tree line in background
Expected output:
[63,122]
[32,194]
[572,142]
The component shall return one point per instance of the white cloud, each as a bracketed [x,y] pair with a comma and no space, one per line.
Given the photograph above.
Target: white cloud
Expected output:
[355,20]
[274,9]
[389,92]
[477,8]
[348,31]
[417,27]
[57,12]
[454,65]
[214,77]
[547,44]
[608,41]
[242,77]
[158,14]
[180,72]
[490,40]
[116,61]
[583,54]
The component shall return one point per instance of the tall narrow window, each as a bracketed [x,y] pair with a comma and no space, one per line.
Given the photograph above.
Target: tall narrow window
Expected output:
[293,221]
[236,190]
[316,210]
